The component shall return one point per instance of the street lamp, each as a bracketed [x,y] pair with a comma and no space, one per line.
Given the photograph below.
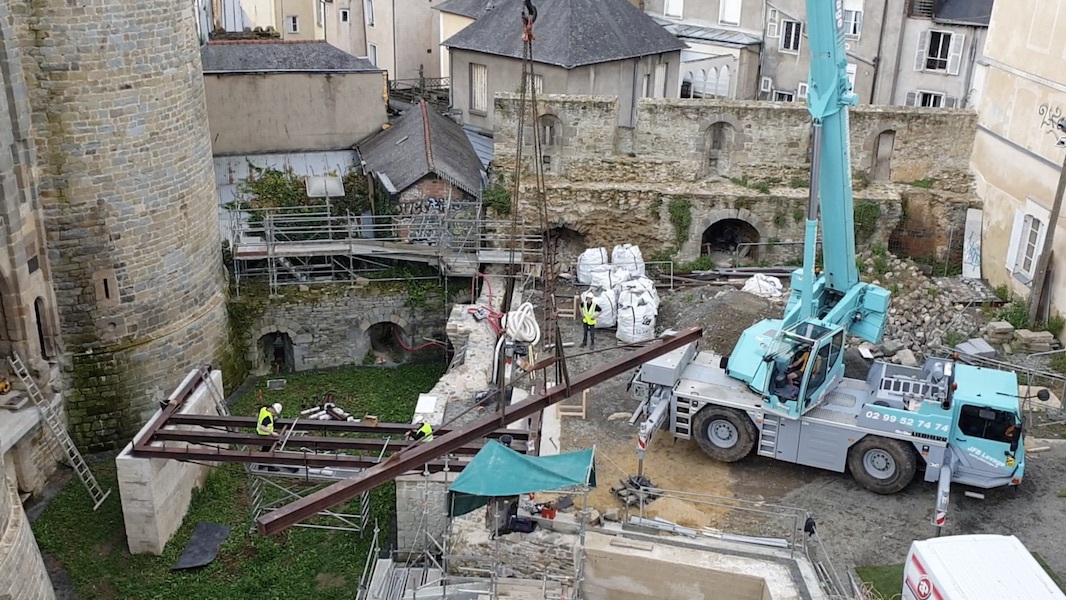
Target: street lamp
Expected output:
[1040,274]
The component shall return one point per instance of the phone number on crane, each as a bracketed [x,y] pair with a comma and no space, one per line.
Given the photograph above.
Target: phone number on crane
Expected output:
[905,421]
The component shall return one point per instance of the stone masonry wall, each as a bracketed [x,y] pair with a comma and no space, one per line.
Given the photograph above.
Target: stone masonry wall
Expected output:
[524,554]
[615,184]
[22,572]
[329,325]
[127,187]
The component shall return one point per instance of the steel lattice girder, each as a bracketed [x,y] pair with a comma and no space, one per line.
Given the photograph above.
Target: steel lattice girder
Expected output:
[422,454]
[296,443]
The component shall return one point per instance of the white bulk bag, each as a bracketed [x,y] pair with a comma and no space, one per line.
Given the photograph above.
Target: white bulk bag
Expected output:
[640,284]
[608,303]
[628,257]
[636,320]
[593,257]
[608,276]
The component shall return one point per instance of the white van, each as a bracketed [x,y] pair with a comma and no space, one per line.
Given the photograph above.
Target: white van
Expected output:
[975,567]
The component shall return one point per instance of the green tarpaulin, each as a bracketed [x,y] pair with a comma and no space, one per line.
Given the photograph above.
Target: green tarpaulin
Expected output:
[496,470]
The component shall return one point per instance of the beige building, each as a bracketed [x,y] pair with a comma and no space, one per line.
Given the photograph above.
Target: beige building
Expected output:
[630,57]
[453,17]
[723,39]
[1016,158]
[282,96]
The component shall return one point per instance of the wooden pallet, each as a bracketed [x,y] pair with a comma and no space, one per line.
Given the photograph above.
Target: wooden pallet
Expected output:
[569,312]
[574,410]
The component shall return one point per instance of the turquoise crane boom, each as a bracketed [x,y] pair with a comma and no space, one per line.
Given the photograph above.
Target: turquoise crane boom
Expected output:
[827,305]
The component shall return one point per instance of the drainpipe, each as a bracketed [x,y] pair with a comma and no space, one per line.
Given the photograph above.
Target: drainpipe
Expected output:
[633,95]
[877,59]
[395,61]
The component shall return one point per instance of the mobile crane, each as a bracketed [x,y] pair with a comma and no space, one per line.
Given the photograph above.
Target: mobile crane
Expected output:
[782,390]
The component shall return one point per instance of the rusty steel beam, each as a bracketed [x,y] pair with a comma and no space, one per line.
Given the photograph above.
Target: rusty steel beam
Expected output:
[295,442]
[413,459]
[381,429]
[295,459]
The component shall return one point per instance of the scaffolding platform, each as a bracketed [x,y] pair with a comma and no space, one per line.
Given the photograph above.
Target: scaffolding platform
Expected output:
[304,473]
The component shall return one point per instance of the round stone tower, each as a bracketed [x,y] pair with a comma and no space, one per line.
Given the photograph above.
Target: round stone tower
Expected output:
[128,192]
[20,560]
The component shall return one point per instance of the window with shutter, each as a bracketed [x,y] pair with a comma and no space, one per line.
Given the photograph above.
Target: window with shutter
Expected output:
[771,23]
[1027,240]
[911,99]
[479,88]
[790,36]
[955,50]
[801,90]
[919,56]
[766,85]
[729,13]
[938,51]
[852,23]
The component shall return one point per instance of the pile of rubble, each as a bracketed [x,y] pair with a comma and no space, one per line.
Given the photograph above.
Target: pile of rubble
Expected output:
[632,491]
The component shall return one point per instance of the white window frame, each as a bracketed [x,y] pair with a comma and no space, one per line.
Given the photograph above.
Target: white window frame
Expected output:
[372,54]
[801,91]
[368,12]
[725,16]
[853,71]
[952,61]
[784,96]
[345,15]
[797,35]
[479,89]
[766,86]
[320,12]
[852,24]
[675,9]
[931,95]
[292,24]
[1027,240]
[771,23]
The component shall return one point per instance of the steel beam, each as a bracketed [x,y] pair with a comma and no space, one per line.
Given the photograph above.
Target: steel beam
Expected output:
[296,459]
[381,429]
[295,442]
[413,459]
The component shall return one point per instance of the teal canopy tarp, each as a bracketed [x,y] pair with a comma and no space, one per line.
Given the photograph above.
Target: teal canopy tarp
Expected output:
[496,470]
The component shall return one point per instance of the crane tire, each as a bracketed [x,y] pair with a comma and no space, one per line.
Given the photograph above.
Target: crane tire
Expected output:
[724,434]
[882,465]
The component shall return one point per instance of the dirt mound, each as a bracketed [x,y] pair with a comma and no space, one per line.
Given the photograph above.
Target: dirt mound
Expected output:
[723,313]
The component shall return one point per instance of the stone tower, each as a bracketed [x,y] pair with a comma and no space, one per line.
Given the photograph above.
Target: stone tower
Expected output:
[24,575]
[127,188]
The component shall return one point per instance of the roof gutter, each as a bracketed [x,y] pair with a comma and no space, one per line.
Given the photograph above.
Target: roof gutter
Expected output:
[269,71]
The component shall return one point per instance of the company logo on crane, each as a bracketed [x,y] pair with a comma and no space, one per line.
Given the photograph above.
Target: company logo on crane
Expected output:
[840,15]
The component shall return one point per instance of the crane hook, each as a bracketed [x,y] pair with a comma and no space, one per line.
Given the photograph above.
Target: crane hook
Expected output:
[529,12]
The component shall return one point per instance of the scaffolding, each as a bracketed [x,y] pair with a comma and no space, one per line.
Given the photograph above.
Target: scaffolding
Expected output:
[309,244]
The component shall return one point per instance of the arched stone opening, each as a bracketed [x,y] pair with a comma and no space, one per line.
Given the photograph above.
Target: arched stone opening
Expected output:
[386,343]
[719,141]
[569,244]
[881,167]
[276,351]
[727,238]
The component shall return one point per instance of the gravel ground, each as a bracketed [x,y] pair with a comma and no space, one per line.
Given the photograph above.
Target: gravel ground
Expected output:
[858,527]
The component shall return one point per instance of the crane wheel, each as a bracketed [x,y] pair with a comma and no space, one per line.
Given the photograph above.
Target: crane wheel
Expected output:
[724,434]
[882,465]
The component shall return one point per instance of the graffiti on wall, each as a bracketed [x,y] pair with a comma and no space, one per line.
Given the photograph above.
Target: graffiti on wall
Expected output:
[1049,118]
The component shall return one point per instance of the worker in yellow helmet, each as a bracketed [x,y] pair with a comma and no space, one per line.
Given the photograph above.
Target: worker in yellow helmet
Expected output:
[589,310]
[264,426]
[421,431]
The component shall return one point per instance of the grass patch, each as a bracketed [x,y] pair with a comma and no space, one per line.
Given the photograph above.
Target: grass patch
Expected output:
[299,563]
[886,580]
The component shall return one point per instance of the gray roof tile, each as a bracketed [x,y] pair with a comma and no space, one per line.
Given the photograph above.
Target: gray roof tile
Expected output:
[259,56]
[569,33]
[419,143]
[467,8]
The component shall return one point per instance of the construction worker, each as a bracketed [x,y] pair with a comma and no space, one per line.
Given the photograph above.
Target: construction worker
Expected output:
[265,424]
[421,431]
[589,310]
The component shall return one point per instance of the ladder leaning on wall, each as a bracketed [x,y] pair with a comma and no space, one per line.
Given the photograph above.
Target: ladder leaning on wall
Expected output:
[59,435]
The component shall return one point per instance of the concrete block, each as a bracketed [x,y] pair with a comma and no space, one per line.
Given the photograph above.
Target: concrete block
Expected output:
[907,358]
[977,347]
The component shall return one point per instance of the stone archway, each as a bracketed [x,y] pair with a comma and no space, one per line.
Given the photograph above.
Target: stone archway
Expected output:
[386,344]
[729,238]
[705,220]
[277,352]
[721,135]
[569,244]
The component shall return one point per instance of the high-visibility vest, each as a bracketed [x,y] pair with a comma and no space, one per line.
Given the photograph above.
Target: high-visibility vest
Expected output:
[427,432]
[265,424]
[588,314]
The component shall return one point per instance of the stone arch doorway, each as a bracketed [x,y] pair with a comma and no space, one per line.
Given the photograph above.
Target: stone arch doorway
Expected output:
[719,141]
[881,169]
[386,343]
[276,352]
[569,244]
[726,239]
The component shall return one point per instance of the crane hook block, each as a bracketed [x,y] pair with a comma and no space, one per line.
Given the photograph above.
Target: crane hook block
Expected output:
[529,12]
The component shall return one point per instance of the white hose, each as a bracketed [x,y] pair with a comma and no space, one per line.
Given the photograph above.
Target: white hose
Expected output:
[521,325]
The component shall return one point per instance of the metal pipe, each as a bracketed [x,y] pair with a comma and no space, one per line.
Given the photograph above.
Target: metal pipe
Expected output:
[420,454]
[811,235]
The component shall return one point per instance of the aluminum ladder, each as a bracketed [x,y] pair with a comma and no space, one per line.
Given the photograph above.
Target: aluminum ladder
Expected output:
[59,433]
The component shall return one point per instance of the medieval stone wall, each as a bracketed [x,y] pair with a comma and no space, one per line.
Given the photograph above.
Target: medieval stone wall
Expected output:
[729,160]
[22,572]
[127,186]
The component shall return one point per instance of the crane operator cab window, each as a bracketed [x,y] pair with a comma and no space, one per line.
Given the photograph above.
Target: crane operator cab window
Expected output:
[789,366]
[990,424]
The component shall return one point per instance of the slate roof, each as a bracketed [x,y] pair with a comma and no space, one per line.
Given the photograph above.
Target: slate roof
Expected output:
[419,143]
[265,56]
[963,12]
[702,33]
[569,33]
[467,8]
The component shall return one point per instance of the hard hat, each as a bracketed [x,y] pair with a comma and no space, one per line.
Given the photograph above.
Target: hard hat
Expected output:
[277,407]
